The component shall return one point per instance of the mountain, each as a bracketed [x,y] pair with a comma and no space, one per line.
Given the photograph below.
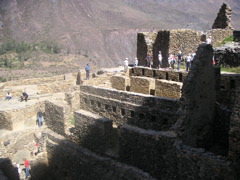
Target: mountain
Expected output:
[104,30]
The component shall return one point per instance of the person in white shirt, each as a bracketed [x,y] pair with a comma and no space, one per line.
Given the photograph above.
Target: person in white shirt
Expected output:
[136,62]
[160,59]
[209,40]
[125,63]
[188,62]
[8,96]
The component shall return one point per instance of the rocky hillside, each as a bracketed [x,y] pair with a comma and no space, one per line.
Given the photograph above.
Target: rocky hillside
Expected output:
[104,30]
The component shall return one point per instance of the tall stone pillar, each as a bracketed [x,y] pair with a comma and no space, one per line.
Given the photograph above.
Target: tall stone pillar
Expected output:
[198,100]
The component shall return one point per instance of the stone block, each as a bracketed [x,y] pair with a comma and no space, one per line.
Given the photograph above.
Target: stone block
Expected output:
[168,89]
[142,84]
[120,82]
[94,131]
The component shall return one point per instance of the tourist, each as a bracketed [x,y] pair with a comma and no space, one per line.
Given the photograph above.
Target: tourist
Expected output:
[136,62]
[192,58]
[125,64]
[87,69]
[8,96]
[170,61]
[27,167]
[209,40]
[160,59]
[179,60]
[188,62]
[40,118]
[24,96]
[148,60]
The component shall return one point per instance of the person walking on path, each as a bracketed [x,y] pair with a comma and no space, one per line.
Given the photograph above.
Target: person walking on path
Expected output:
[27,167]
[87,69]
[148,60]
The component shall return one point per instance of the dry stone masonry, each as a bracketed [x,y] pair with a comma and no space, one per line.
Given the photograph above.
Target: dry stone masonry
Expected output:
[223,18]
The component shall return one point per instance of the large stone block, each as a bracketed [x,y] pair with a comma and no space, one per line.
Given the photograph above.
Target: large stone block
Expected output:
[120,82]
[142,84]
[94,131]
[168,89]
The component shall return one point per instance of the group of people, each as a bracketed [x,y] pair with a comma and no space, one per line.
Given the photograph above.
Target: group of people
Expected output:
[24,96]
[126,63]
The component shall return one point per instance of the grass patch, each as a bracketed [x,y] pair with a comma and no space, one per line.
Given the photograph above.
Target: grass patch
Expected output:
[228,39]
[72,120]
[232,70]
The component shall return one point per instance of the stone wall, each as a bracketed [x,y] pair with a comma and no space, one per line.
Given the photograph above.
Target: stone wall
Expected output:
[171,41]
[198,100]
[141,84]
[157,154]
[186,40]
[145,42]
[218,35]
[130,108]
[154,153]
[57,115]
[20,117]
[66,160]
[159,74]
[120,82]
[223,18]
[73,100]
[227,57]
[168,89]
[236,36]
[94,132]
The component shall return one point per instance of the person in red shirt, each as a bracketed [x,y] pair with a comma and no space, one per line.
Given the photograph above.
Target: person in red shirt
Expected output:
[27,165]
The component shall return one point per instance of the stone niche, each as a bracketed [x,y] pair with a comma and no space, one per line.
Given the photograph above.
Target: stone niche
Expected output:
[170,89]
[142,84]
[120,82]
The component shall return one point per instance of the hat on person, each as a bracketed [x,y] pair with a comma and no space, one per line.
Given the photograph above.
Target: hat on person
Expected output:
[135,58]
[126,58]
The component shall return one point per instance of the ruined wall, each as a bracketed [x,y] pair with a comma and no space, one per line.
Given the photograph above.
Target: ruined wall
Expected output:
[94,132]
[234,134]
[186,40]
[16,118]
[227,57]
[157,154]
[141,84]
[130,108]
[57,115]
[196,163]
[161,44]
[54,87]
[198,99]
[120,82]
[218,35]
[67,160]
[145,42]
[236,36]
[159,74]
[5,121]
[73,100]
[168,89]
[223,18]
